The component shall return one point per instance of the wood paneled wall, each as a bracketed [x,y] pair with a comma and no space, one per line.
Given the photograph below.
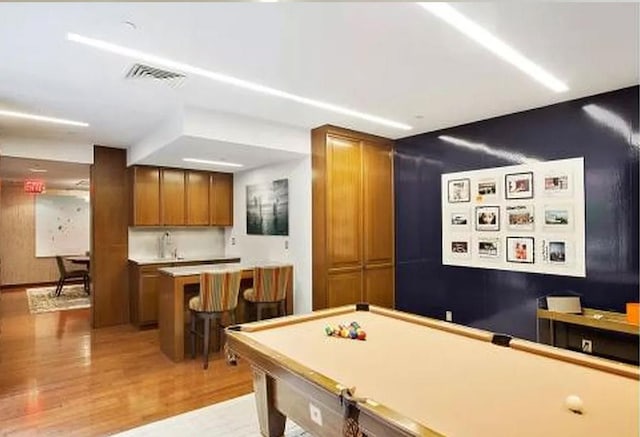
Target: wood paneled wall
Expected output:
[18,240]
[109,236]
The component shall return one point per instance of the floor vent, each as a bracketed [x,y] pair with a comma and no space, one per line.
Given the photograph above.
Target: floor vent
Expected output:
[141,71]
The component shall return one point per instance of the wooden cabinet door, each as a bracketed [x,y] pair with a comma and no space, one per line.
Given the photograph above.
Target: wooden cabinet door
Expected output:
[221,199]
[172,196]
[378,203]
[344,202]
[197,193]
[344,287]
[379,286]
[146,196]
[148,295]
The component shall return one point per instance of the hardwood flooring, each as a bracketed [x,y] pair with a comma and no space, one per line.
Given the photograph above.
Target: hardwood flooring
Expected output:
[60,377]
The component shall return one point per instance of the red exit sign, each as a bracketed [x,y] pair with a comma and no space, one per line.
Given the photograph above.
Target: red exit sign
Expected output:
[33,186]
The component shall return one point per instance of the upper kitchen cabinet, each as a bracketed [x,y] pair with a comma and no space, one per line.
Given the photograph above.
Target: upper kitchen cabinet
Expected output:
[197,193]
[145,183]
[172,197]
[221,200]
[176,197]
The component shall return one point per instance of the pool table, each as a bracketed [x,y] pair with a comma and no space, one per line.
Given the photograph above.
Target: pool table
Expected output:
[419,376]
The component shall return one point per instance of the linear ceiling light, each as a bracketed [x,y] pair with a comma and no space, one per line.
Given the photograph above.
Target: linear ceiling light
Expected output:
[34,117]
[205,161]
[230,80]
[494,44]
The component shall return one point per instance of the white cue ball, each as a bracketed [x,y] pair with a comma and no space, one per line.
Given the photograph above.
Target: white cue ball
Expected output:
[574,403]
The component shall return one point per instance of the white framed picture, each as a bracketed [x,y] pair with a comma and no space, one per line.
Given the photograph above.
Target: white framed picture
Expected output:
[520,217]
[558,184]
[557,251]
[460,220]
[460,248]
[488,248]
[558,218]
[487,188]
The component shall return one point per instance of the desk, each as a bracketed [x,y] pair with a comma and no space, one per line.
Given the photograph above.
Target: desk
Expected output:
[425,377]
[171,300]
[610,333]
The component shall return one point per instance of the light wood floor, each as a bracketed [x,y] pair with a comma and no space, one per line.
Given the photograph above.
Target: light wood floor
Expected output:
[60,377]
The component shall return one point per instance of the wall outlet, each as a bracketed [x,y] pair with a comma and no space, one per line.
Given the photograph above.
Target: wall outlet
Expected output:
[587,346]
[286,244]
[233,241]
[448,316]
[315,414]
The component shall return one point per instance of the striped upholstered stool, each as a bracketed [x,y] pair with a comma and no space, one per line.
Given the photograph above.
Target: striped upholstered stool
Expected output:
[270,285]
[218,295]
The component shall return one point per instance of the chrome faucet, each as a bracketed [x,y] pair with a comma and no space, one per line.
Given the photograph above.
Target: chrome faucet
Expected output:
[167,248]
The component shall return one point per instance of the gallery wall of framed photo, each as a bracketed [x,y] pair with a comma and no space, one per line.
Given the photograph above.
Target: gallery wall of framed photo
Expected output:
[528,218]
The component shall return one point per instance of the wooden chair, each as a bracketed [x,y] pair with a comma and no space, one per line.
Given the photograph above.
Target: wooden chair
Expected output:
[270,285]
[218,295]
[65,275]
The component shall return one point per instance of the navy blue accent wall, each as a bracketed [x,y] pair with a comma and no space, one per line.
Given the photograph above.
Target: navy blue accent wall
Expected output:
[504,301]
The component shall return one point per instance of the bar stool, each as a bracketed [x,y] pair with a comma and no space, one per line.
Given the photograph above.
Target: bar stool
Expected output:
[270,285]
[218,295]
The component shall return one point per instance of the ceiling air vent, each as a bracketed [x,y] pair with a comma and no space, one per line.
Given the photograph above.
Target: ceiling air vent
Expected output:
[141,71]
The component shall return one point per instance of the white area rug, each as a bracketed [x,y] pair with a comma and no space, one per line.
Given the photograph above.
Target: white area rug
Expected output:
[233,418]
[42,300]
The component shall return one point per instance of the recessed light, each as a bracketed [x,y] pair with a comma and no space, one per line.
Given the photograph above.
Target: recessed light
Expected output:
[482,36]
[38,170]
[34,117]
[419,117]
[206,161]
[230,80]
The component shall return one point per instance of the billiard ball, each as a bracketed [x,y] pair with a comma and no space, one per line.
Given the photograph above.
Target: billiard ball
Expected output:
[574,404]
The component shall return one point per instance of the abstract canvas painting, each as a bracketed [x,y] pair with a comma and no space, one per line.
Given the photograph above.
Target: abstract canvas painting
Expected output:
[268,208]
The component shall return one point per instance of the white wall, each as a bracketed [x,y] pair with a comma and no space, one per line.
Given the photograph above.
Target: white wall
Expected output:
[54,150]
[258,247]
[191,242]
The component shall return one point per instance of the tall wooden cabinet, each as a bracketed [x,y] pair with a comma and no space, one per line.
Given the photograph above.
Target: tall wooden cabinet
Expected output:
[353,236]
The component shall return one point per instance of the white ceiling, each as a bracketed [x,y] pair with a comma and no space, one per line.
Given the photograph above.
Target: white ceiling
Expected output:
[59,175]
[393,60]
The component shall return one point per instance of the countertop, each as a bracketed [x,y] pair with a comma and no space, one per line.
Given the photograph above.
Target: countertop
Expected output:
[209,268]
[203,259]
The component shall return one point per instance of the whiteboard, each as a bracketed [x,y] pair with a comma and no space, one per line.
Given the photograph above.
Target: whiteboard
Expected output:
[62,225]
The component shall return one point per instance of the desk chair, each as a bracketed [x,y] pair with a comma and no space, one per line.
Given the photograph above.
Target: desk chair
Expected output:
[65,275]
[218,295]
[270,285]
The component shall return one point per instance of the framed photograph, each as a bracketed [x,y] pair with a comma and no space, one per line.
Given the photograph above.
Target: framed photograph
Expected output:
[489,248]
[521,250]
[268,208]
[555,252]
[519,185]
[459,190]
[460,220]
[558,184]
[558,217]
[487,218]
[520,218]
[460,248]
[487,188]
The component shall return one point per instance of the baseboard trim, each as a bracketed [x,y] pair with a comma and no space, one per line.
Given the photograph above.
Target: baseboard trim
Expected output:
[9,287]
